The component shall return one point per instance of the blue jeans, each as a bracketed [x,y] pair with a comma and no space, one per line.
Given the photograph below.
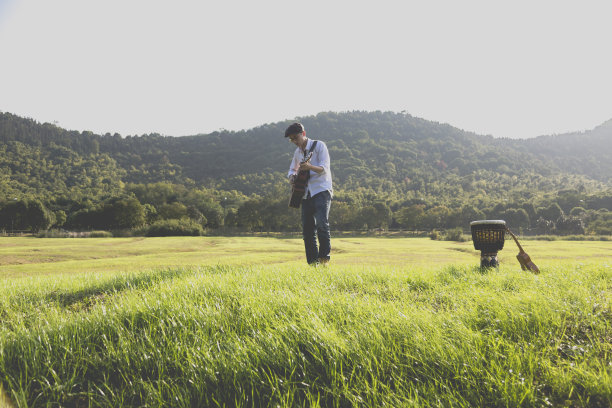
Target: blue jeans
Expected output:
[315,214]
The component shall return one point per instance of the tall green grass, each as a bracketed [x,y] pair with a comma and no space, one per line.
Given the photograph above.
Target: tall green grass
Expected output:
[289,335]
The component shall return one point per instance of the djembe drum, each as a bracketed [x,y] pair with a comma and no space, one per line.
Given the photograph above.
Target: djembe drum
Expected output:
[488,237]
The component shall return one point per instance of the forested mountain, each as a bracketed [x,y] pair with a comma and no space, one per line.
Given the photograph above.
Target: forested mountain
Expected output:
[382,162]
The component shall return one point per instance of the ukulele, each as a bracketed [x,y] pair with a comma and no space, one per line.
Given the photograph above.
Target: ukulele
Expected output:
[299,184]
[526,262]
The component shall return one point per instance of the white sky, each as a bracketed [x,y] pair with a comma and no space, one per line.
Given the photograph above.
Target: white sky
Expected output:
[507,68]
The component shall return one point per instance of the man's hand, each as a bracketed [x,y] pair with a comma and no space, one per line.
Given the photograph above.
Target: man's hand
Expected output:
[305,166]
[292,179]
[310,167]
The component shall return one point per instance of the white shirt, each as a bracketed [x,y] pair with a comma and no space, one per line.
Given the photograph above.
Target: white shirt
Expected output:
[317,182]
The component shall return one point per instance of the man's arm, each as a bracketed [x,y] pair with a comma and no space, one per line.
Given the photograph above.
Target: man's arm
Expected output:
[322,160]
[294,166]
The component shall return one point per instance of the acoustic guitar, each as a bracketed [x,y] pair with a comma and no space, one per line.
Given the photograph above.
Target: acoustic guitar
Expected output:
[524,259]
[299,184]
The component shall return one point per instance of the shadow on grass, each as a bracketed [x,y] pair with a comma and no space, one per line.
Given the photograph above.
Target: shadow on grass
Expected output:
[85,298]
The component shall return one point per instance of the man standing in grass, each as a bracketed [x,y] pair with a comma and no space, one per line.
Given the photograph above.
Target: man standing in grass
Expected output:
[317,196]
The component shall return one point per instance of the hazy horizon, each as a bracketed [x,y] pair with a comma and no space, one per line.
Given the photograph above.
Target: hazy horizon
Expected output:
[296,118]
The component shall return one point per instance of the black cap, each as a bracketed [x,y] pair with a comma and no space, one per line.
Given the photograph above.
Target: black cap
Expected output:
[294,128]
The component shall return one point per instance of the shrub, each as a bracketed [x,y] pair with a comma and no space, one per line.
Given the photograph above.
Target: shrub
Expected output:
[100,234]
[184,227]
[545,238]
[128,233]
[54,233]
[455,234]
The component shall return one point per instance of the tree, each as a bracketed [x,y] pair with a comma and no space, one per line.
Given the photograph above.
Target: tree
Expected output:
[516,218]
[84,218]
[551,213]
[123,213]
[531,212]
[343,216]
[12,215]
[436,217]
[150,213]
[411,217]
[570,225]
[156,194]
[195,214]
[577,212]
[60,218]
[231,218]
[602,223]
[497,212]
[377,215]
[25,215]
[568,199]
[544,226]
[212,212]
[469,214]
[249,215]
[173,211]
[38,217]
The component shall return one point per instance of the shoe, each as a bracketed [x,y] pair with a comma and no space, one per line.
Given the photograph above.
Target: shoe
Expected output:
[323,261]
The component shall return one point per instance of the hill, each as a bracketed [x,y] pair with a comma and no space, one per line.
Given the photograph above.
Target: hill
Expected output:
[389,157]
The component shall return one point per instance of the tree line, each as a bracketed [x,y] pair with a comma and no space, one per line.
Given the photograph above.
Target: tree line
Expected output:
[177,209]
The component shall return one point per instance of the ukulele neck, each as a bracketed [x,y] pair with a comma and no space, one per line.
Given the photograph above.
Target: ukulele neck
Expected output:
[515,240]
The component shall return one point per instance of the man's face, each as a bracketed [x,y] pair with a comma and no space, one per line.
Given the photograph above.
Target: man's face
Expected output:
[297,138]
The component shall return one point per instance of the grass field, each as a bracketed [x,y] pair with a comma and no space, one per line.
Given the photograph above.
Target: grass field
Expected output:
[33,256]
[243,322]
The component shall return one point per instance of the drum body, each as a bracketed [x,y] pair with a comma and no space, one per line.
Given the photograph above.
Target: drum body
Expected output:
[488,237]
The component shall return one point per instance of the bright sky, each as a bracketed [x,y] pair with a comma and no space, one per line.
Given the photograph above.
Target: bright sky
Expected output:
[507,68]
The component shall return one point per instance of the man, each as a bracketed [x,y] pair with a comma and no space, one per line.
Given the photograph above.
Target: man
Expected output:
[318,194]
